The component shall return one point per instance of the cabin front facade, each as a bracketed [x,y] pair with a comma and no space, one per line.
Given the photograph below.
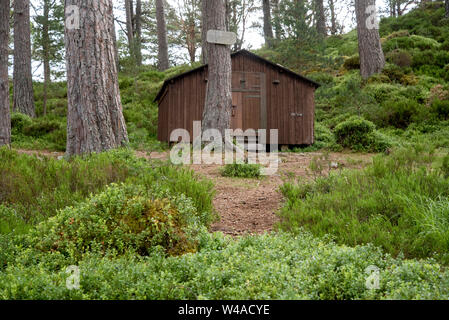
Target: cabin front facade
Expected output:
[265,95]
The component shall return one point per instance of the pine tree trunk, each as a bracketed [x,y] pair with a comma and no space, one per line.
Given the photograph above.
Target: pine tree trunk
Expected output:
[129,9]
[204,5]
[372,58]
[138,38]
[333,17]
[23,82]
[217,109]
[320,18]
[161,36]
[95,121]
[446,4]
[46,52]
[267,26]
[277,21]
[5,119]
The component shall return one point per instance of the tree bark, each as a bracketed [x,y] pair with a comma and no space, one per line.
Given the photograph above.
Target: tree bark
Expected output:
[95,121]
[129,9]
[372,59]
[161,36]
[23,82]
[138,37]
[217,108]
[277,21]
[204,5]
[46,52]
[5,118]
[320,18]
[267,26]
[333,17]
[446,4]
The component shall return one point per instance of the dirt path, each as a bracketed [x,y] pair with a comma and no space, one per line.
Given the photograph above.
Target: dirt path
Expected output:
[248,206]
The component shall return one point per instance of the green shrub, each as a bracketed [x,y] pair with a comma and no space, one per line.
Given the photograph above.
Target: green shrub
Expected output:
[19,121]
[360,135]
[241,170]
[401,113]
[400,58]
[36,188]
[278,266]
[441,108]
[121,219]
[352,63]
[41,127]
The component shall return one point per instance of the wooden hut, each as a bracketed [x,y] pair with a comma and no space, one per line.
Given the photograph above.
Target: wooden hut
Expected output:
[265,95]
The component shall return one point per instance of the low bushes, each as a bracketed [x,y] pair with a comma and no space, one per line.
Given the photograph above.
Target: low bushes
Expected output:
[123,218]
[399,203]
[37,188]
[241,170]
[263,267]
[359,134]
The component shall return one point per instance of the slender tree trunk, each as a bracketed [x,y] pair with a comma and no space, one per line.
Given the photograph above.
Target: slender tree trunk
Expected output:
[333,17]
[446,4]
[267,26]
[46,53]
[372,58]
[129,9]
[217,108]
[138,37]
[204,5]
[5,118]
[23,82]
[277,21]
[320,18]
[161,36]
[94,120]
[114,40]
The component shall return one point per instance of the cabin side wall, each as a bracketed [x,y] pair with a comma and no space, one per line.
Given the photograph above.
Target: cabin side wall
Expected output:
[183,102]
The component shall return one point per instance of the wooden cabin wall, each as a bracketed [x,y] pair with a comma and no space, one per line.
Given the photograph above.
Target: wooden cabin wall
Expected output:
[184,102]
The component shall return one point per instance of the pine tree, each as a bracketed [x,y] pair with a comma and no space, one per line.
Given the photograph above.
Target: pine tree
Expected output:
[5,119]
[94,120]
[23,82]
[217,109]
[372,59]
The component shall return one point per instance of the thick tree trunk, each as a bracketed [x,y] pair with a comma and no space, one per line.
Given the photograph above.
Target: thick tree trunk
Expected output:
[23,82]
[138,37]
[320,18]
[217,108]
[267,26]
[161,36]
[94,121]
[5,119]
[333,17]
[204,5]
[372,58]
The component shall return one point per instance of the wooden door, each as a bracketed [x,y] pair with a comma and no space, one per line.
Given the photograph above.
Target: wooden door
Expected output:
[248,95]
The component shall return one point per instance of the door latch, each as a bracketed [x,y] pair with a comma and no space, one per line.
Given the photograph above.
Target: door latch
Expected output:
[296,114]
